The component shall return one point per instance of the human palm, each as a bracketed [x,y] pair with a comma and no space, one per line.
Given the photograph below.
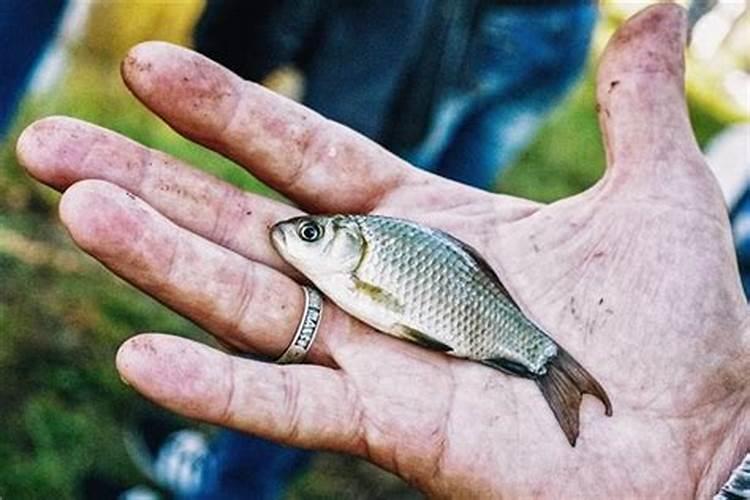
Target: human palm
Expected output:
[635,277]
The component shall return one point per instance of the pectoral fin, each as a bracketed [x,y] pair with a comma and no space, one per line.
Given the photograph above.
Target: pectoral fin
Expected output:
[420,338]
[377,294]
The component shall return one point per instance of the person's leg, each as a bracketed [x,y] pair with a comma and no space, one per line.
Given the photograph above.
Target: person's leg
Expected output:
[488,140]
[525,59]
[740,217]
[448,118]
[360,57]
[26,26]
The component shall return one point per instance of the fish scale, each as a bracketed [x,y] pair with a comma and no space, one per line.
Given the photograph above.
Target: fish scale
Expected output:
[444,294]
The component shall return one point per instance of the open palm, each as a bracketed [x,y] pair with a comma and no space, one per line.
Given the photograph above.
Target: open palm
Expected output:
[635,277]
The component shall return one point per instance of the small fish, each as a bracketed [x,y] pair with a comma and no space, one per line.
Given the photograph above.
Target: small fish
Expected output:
[427,287]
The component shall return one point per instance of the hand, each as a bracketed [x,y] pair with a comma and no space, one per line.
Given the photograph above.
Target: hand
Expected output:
[636,277]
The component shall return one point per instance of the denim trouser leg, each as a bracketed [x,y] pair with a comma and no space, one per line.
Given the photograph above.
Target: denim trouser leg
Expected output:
[740,217]
[523,60]
[487,141]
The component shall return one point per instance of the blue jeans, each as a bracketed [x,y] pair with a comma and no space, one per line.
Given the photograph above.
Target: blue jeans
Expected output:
[740,217]
[523,61]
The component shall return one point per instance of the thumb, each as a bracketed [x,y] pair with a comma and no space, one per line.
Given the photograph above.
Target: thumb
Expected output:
[650,146]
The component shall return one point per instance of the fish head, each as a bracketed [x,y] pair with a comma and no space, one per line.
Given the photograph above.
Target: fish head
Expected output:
[319,245]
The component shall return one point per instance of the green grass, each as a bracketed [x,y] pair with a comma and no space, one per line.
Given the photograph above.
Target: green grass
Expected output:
[567,155]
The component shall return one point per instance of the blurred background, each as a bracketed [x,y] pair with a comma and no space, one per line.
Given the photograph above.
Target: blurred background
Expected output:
[62,317]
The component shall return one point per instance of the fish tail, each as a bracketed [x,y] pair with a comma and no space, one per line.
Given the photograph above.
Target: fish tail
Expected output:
[563,387]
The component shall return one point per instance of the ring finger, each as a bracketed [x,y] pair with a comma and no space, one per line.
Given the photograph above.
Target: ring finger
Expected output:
[248,305]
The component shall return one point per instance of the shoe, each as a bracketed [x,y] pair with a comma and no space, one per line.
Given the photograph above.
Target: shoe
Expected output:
[172,459]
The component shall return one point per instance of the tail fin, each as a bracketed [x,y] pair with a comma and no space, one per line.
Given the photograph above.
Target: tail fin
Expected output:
[563,386]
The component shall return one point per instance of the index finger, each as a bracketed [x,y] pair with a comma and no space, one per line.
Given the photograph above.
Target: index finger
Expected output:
[318,163]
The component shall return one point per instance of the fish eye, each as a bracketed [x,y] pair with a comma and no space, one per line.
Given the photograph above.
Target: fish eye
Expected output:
[310,231]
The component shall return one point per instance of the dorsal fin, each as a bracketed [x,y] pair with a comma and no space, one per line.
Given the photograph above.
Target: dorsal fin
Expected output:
[481,263]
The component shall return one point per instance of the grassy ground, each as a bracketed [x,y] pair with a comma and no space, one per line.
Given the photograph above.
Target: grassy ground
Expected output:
[62,316]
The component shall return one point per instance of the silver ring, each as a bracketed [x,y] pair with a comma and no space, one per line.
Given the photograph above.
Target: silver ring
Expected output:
[307,328]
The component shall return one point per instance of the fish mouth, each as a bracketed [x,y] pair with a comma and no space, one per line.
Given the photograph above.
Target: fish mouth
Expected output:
[278,237]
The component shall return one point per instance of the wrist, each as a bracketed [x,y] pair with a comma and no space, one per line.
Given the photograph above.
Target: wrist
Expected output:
[732,455]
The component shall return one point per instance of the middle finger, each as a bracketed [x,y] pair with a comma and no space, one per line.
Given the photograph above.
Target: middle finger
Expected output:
[61,151]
